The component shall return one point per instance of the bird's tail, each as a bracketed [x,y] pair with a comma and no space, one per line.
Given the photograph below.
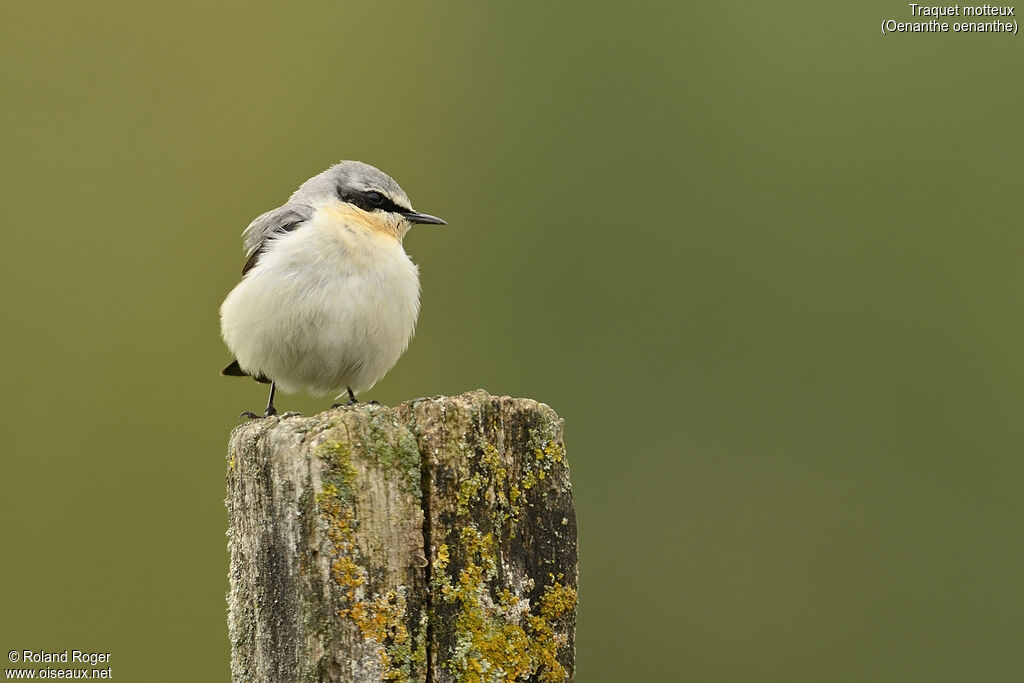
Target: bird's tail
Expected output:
[235,370]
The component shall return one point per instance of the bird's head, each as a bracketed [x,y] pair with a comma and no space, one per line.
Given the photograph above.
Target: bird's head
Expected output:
[369,193]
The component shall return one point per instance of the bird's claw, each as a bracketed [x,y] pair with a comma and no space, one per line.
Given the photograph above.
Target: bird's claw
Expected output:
[353,401]
[347,404]
[253,416]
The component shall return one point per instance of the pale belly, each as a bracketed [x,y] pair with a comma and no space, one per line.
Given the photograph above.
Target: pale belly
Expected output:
[316,318]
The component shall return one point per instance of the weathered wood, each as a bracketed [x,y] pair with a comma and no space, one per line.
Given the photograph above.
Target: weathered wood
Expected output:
[326,540]
[435,541]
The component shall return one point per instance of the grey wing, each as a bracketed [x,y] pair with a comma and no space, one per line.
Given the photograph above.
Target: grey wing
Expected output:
[280,220]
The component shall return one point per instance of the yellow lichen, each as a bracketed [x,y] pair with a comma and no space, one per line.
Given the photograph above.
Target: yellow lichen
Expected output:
[497,640]
[441,562]
[380,619]
[491,458]
[556,602]
[468,491]
[494,485]
[499,635]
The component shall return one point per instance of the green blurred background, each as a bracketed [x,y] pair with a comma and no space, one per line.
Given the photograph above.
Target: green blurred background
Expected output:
[763,260]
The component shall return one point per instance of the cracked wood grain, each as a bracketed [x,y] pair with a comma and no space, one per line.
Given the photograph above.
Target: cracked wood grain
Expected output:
[434,541]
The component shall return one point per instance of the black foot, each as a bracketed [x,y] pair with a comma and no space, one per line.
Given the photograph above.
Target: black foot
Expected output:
[251,415]
[352,400]
[271,410]
[347,404]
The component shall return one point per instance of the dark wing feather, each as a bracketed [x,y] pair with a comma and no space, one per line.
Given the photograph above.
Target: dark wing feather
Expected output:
[279,221]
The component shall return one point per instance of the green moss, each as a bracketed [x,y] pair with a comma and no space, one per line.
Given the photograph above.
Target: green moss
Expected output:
[396,449]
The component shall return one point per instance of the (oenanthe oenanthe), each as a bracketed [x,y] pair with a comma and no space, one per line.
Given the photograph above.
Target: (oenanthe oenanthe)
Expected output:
[328,298]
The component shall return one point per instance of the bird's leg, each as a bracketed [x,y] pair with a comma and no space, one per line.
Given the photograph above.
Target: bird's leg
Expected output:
[271,410]
[352,400]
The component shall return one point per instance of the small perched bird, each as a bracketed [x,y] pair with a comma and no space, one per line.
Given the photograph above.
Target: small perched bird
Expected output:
[328,298]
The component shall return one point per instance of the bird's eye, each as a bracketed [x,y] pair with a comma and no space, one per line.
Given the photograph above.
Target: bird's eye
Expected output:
[376,198]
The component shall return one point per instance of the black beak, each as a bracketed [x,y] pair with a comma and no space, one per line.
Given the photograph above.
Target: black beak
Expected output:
[415,217]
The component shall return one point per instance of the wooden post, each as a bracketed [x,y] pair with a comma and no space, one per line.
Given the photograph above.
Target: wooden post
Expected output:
[434,541]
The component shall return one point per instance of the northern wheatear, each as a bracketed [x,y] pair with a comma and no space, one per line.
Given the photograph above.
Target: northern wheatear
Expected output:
[328,298]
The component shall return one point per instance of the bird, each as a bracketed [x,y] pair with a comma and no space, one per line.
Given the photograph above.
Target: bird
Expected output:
[328,298]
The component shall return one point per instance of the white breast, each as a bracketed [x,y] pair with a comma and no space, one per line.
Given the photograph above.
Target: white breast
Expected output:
[330,305]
